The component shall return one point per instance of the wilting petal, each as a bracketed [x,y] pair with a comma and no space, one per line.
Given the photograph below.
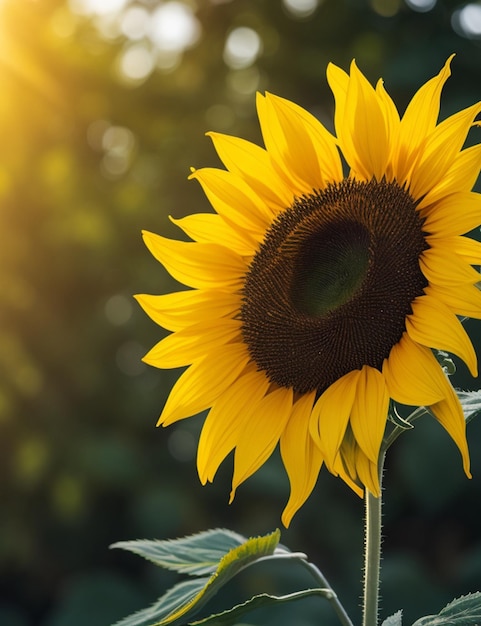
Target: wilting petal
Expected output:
[301,457]
[433,324]
[331,414]
[261,431]
[369,412]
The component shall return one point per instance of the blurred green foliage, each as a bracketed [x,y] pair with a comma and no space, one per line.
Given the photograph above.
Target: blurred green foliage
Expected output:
[103,109]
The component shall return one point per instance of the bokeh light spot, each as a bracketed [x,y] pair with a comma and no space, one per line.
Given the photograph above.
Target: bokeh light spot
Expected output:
[173,26]
[422,6]
[242,47]
[118,310]
[467,21]
[386,8]
[31,460]
[136,63]
[134,23]
[300,8]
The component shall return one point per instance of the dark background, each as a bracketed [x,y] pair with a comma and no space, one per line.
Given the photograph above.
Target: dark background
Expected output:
[103,109]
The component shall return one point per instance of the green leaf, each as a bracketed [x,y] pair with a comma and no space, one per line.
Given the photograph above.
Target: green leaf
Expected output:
[464,611]
[196,555]
[181,602]
[176,596]
[471,403]
[394,620]
[227,618]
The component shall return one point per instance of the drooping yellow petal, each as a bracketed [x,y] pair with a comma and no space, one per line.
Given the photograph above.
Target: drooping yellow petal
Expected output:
[200,265]
[444,267]
[224,423]
[192,343]
[261,431]
[345,466]
[330,416]
[211,228]
[178,310]
[301,457]
[449,414]
[369,411]
[412,374]
[455,214]
[434,325]
[203,382]
[232,198]
[254,166]
[461,299]
[418,121]
[368,472]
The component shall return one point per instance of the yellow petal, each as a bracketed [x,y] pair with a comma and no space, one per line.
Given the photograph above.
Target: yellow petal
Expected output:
[419,120]
[200,265]
[412,374]
[460,177]
[369,412]
[203,382]
[192,343]
[434,325]
[254,165]
[455,214]
[324,143]
[440,150]
[441,267]
[392,121]
[368,127]
[261,431]
[301,457]
[175,311]
[291,137]
[234,200]
[345,466]
[368,473]
[468,249]
[286,153]
[461,299]
[224,423]
[211,228]
[330,416]
[449,414]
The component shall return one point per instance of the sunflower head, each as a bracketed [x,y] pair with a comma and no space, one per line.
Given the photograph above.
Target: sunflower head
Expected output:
[317,295]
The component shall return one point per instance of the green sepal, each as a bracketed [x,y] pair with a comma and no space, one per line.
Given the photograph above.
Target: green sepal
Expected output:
[394,620]
[196,555]
[230,617]
[464,611]
[471,403]
[180,603]
[396,419]
[446,362]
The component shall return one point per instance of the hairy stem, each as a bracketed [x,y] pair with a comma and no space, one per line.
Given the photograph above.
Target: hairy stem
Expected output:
[372,557]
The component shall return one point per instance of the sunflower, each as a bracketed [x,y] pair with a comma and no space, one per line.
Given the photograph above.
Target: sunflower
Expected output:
[316,296]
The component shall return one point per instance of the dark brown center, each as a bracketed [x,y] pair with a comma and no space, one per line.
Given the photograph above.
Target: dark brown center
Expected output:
[329,289]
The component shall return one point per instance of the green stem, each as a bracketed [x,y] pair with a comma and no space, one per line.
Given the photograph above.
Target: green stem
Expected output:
[372,557]
[330,593]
